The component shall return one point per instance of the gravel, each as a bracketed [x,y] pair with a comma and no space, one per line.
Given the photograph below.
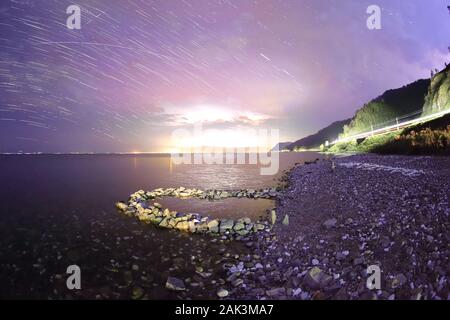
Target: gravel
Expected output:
[385,211]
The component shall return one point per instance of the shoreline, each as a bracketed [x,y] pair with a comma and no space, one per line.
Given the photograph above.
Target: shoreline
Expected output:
[387,211]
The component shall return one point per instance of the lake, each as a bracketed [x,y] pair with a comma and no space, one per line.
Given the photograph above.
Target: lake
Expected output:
[58,210]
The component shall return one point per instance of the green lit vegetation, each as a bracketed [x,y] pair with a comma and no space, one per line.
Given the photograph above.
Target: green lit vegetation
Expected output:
[438,97]
[431,137]
[392,104]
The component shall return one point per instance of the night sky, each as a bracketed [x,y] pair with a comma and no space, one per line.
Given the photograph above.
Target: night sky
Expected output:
[137,70]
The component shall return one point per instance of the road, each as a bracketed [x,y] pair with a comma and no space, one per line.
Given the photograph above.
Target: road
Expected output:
[390,128]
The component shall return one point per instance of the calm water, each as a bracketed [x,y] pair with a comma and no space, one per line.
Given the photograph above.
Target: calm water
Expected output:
[58,210]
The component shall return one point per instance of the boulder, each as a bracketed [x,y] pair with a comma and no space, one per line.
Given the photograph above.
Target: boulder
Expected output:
[273,216]
[164,223]
[243,232]
[239,226]
[121,206]
[192,226]
[213,224]
[214,230]
[182,225]
[226,225]
[224,195]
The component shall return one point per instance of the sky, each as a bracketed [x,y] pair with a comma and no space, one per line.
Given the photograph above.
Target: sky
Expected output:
[137,71]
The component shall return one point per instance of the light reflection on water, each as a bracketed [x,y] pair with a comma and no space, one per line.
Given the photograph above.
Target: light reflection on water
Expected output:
[58,210]
[231,208]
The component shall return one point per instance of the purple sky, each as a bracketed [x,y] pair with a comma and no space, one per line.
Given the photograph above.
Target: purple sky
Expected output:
[137,70]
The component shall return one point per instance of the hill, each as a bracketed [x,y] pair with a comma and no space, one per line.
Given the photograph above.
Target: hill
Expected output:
[383,110]
[329,133]
[281,146]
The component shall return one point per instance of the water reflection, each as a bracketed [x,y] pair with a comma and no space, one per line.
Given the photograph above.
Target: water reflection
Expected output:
[58,210]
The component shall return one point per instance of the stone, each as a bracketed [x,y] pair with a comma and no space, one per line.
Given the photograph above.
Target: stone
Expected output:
[398,281]
[340,256]
[286,220]
[330,223]
[258,227]
[239,226]
[243,232]
[121,206]
[175,284]
[273,216]
[316,278]
[214,230]
[183,226]
[226,225]
[127,277]
[137,293]
[276,292]
[213,224]
[237,282]
[164,223]
[192,226]
[222,293]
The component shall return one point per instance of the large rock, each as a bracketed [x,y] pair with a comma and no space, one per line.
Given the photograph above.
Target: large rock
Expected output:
[243,232]
[165,223]
[213,224]
[175,284]
[316,278]
[273,216]
[121,206]
[224,195]
[182,225]
[157,205]
[226,225]
[192,226]
[239,226]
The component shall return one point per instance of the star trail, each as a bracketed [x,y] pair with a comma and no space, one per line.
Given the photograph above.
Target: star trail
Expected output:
[138,69]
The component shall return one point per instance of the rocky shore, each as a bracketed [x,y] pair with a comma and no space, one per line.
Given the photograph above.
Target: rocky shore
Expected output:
[139,205]
[334,219]
[347,214]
